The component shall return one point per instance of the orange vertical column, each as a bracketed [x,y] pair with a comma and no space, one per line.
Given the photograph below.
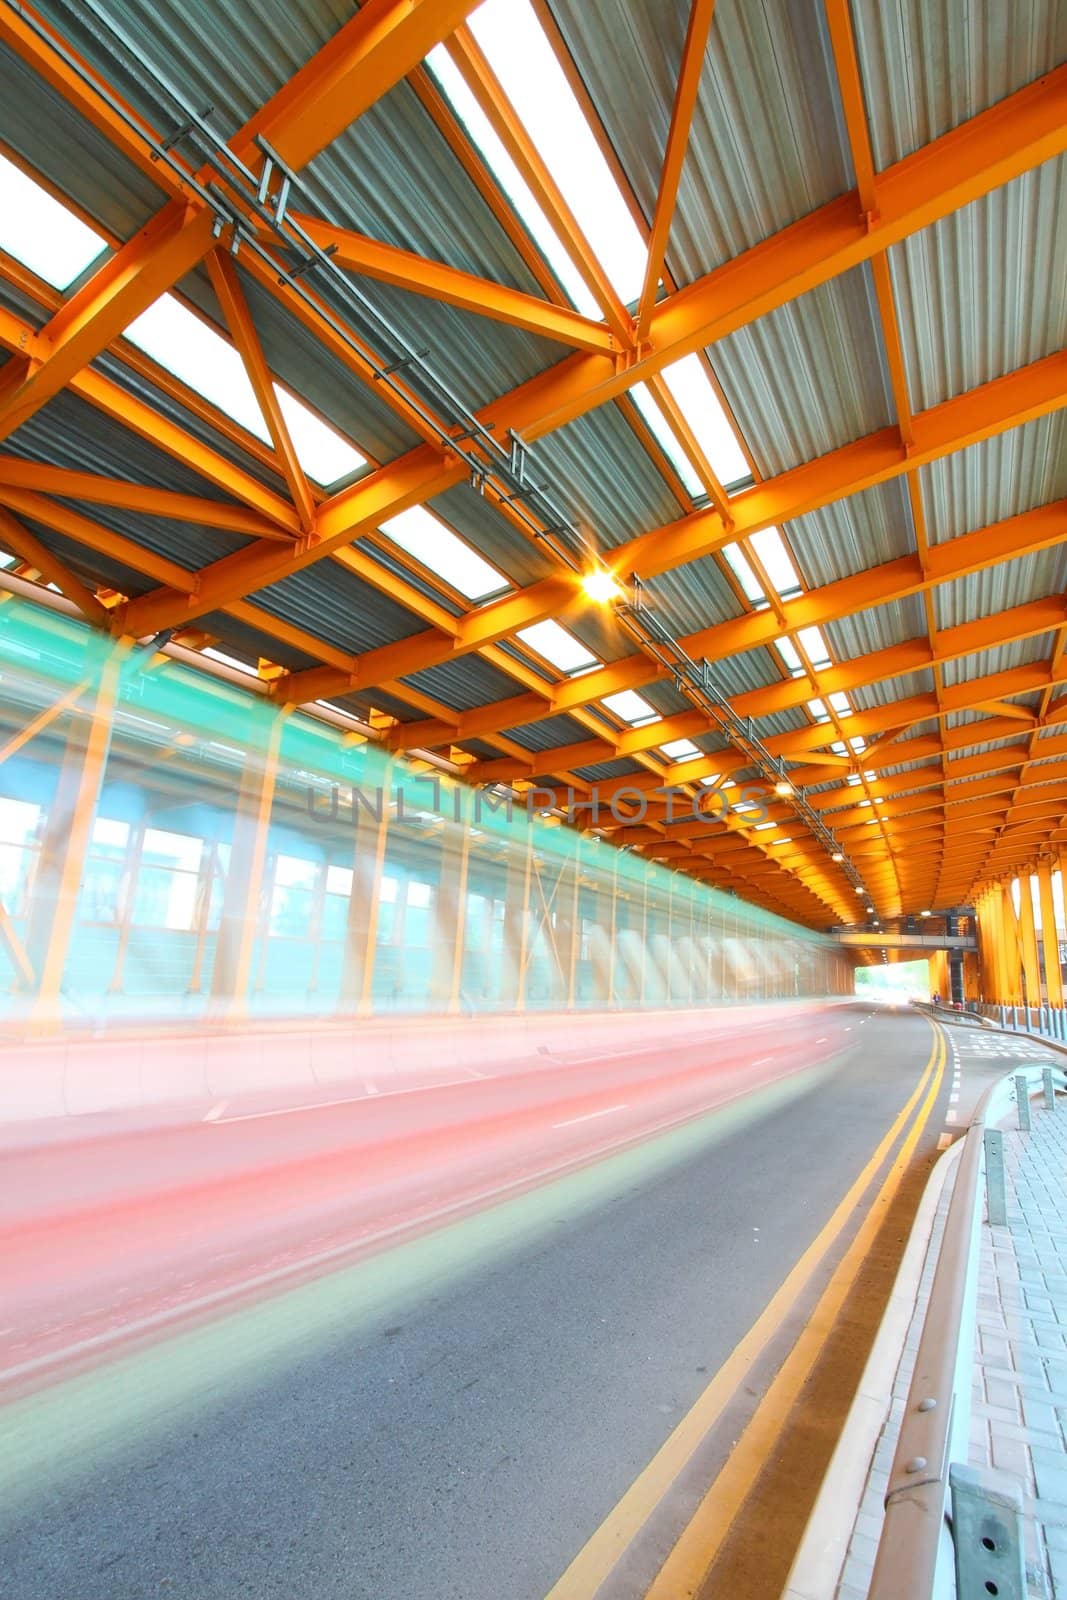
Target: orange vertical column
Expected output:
[1050,939]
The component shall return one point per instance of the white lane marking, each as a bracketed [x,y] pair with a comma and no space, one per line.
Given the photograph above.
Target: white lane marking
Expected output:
[762,1062]
[950,1115]
[216,1111]
[589,1115]
[822,1040]
[372,1087]
[952,1099]
[848,1030]
[944,1141]
[350,1100]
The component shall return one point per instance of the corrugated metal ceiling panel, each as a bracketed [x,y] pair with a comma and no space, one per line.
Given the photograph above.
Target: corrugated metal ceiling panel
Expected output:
[766,144]
[996,589]
[693,597]
[872,696]
[970,305]
[602,771]
[810,376]
[876,629]
[850,535]
[464,683]
[249,644]
[45,130]
[1001,658]
[92,568]
[607,483]
[470,514]
[341,608]
[928,65]
[997,478]
[548,733]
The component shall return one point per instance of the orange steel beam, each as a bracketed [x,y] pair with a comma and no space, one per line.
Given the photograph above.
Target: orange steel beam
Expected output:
[791,745]
[92,104]
[21,542]
[988,145]
[84,531]
[127,284]
[1041,529]
[999,406]
[402,268]
[90,487]
[1020,622]
[967,419]
[414,478]
[126,409]
[228,291]
[696,40]
[383,42]
[1018,133]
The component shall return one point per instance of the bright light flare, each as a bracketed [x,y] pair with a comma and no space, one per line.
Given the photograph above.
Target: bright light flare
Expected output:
[600,587]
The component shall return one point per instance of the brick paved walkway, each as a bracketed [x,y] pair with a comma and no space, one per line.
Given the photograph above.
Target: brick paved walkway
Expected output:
[1019,1395]
[1019,1410]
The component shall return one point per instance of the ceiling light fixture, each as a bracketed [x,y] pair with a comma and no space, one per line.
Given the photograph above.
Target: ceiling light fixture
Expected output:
[600,586]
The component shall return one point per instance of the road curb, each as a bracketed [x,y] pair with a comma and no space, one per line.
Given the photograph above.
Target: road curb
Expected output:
[821,1554]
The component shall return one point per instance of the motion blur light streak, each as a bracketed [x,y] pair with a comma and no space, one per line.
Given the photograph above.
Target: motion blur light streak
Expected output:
[208,892]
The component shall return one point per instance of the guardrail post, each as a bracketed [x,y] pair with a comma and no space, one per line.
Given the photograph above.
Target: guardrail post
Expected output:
[1022,1100]
[1050,1089]
[996,1199]
[987,1533]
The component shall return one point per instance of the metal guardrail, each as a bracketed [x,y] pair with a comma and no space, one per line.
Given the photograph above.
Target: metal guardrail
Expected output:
[916,1556]
[1049,1021]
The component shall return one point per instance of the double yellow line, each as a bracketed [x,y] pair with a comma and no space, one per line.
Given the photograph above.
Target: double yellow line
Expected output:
[689,1562]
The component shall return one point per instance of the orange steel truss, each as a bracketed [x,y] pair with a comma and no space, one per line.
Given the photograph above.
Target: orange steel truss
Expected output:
[957,816]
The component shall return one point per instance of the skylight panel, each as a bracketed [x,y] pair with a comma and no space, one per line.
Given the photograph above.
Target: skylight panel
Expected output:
[510,180]
[700,405]
[840,703]
[776,561]
[818,710]
[761,827]
[228,661]
[425,537]
[788,652]
[41,232]
[558,646]
[786,838]
[190,349]
[814,646]
[657,422]
[631,707]
[681,749]
[710,781]
[858,743]
[520,54]
[742,571]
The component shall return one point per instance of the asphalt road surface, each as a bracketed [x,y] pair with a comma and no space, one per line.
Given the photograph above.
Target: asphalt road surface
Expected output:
[441,1388]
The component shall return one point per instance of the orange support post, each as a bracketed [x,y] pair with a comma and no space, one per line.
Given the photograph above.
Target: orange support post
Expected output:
[241,908]
[1028,957]
[1050,941]
[364,903]
[61,862]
